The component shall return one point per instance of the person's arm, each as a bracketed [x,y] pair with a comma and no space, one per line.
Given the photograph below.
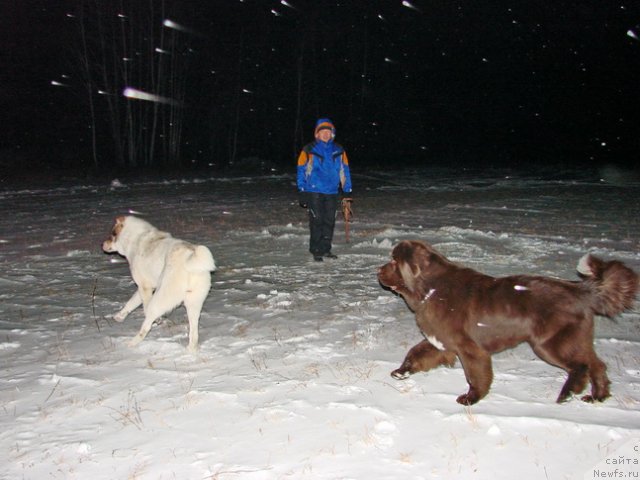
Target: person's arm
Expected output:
[303,162]
[345,176]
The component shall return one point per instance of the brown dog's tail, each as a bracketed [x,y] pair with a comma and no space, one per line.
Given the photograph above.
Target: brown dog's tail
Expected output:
[613,283]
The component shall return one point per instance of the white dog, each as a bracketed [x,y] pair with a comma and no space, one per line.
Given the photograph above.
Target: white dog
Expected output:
[166,270]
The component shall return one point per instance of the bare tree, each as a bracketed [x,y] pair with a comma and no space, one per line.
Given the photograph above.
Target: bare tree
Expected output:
[126,44]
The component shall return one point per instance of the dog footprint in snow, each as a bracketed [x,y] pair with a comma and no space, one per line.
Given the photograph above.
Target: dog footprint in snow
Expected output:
[383,433]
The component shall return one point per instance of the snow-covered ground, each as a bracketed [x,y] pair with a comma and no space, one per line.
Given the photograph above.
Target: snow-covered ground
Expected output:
[292,377]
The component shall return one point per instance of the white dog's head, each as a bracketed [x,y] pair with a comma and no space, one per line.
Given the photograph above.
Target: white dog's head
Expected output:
[110,244]
[125,232]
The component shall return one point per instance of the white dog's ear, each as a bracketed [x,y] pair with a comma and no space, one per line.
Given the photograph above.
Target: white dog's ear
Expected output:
[117,228]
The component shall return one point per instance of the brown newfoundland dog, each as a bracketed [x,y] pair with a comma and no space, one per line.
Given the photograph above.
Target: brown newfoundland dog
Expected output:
[469,315]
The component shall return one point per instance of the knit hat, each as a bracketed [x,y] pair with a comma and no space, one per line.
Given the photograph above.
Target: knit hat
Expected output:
[324,123]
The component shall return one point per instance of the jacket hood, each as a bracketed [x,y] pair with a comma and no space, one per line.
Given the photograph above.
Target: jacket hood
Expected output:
[323,123]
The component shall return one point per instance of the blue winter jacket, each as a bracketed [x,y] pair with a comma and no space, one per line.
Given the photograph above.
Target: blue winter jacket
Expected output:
[323,167]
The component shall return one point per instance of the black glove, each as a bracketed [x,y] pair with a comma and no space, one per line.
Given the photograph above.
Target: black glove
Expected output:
[303,199]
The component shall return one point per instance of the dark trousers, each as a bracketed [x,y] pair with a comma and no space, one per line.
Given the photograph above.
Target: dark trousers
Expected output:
[322,220]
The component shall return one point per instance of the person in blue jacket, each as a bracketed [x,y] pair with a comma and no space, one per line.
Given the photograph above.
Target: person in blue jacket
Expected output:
[323,170]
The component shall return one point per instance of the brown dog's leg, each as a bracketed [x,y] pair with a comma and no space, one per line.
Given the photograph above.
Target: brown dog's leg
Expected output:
[572,350]
[423,357]
[576,381]
[599,381]
[476,363]
[596,371]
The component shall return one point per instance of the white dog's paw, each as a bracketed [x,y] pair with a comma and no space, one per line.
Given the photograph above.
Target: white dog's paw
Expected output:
[120,316]
[192,349]
[134,341]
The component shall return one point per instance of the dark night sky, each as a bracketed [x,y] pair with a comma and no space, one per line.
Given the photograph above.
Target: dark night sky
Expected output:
[437,82]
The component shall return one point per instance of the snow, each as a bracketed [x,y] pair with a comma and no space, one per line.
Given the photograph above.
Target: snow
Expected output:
[292,379]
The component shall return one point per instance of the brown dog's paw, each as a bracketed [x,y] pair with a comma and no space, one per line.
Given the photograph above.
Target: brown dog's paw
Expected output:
[592,399]
[401,374]
[469,398]
[564,397]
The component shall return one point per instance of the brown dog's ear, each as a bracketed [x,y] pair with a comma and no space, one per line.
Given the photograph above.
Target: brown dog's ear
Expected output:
[409,277]
[416,269]
[407,254]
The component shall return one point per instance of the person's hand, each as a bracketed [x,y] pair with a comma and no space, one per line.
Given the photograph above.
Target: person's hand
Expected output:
[303,199]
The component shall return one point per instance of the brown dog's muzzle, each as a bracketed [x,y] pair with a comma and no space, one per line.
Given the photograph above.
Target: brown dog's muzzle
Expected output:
[388,276]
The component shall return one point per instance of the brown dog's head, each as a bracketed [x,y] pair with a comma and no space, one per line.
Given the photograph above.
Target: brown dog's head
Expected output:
[412,263]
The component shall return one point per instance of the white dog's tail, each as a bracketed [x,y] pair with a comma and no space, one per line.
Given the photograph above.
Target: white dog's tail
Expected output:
[201,260]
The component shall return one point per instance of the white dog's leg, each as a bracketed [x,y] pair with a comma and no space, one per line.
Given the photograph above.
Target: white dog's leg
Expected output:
[194,319]
[193,304]
[161,302]
[144,329]
[133,303]
[200,284]
[146,294]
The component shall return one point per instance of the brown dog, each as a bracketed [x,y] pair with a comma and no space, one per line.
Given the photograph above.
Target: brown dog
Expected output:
[469,315]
